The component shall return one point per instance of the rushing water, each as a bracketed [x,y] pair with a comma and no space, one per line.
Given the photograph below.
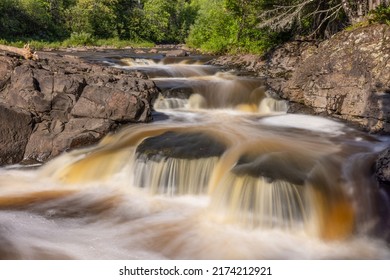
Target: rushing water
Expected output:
[222,173]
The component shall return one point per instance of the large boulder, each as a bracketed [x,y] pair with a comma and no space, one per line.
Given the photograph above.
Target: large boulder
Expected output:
[69,103]
[106,103]
[176,53]
[51,139]
[347,77]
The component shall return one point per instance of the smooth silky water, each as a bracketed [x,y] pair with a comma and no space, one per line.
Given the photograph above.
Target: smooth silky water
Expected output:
[222,173]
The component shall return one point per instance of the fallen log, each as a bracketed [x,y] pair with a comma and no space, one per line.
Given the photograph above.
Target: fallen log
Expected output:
[26,51]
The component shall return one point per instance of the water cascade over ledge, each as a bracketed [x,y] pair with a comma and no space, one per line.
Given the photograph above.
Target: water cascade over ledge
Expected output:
[222,173]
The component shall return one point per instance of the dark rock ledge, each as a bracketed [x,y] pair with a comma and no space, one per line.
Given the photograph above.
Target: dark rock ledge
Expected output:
[61,102]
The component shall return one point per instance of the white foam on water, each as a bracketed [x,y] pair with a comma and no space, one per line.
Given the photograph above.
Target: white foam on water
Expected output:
[140,226]
[306,122]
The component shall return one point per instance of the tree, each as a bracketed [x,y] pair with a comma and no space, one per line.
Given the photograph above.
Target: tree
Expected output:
[313,15]
[96,17]
[356,10]
[325,17]
[25,18]
[214,29]
[245,13]
[127,18]
[230,25]
[168,21]
[26,51]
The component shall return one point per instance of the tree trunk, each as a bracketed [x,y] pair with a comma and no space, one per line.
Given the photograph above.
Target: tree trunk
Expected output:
[55,10]
[348,10]
[26,52]
[358,9]
[376,3]
[373,4]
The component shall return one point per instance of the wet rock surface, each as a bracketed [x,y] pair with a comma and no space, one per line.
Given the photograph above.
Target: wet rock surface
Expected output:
[179,145]
[275,166]
[62,102]
[382,169]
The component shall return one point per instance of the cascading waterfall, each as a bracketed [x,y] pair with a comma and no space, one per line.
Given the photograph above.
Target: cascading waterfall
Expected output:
[176,163]
[226,174]
[174,176]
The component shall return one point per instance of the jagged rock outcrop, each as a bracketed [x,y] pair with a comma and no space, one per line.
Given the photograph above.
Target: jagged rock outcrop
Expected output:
[346,77]
[60,102]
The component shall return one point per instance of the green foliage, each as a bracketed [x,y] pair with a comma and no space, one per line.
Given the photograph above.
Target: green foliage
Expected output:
[41,45]
[96,17]
[230,26]
[80,39]
[120,44]
[128,16]
[167,21]
[109,43]
[27,18]
[18,44]
[380,15]
[216,26]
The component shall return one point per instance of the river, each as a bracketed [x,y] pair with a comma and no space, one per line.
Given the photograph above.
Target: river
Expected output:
[223,172]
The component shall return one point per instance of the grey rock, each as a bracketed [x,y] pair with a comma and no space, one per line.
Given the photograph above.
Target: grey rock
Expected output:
[15,129]
[106,103]
[382,168]
[346,79]
[176,53]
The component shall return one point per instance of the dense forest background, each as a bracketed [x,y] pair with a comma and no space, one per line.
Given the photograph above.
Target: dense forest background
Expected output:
[211,25]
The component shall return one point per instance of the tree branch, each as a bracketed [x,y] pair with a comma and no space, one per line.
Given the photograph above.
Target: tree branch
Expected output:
[282,17]
[328,17]
[26,51]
